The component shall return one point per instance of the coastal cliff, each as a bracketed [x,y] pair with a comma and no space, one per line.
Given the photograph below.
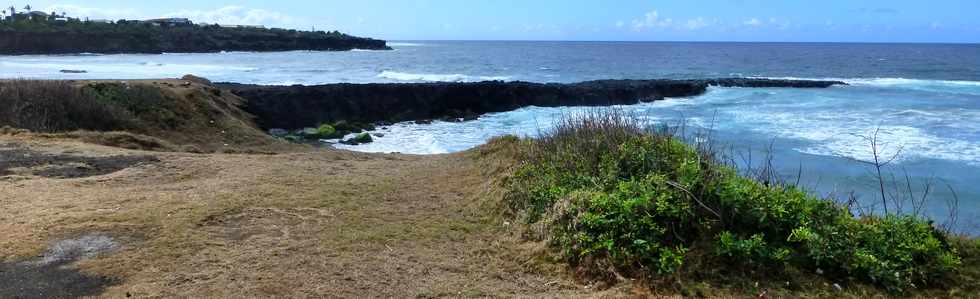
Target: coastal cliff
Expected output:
[298,106]
[43,38]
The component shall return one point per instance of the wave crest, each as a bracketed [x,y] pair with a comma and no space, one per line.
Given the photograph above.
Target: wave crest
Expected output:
[439,77]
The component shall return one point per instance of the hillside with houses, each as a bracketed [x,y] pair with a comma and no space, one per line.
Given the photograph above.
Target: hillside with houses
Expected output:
[26,31]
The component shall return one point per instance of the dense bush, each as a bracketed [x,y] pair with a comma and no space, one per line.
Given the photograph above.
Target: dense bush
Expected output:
[606,189]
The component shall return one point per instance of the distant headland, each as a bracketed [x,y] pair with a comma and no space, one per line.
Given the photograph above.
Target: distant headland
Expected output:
[35,32]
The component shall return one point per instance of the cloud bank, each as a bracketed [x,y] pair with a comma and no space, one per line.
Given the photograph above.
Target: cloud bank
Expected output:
[237,15]
[233,14]
[651,20]
[93,13]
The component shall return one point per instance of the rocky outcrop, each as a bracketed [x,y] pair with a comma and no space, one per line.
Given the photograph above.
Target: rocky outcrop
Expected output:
[303,106]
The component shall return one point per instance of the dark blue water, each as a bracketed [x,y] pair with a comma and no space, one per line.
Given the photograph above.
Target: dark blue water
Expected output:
[578,61]
[528,61]
[924,99]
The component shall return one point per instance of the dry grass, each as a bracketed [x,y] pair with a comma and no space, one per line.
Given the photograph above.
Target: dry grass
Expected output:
[313,224]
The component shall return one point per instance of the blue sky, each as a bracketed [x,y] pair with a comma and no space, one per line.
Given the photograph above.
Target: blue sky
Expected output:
[692,20]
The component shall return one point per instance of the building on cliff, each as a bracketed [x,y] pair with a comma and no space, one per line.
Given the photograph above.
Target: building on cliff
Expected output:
[242,26]
[170,22]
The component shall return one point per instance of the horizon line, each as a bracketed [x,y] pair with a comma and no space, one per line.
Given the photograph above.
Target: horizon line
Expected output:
[683,41]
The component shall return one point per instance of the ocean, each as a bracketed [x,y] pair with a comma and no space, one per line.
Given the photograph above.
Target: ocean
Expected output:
[924,99]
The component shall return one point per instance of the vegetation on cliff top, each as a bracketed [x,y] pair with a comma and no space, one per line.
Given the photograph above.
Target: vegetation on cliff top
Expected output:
[618,201]
[56,35]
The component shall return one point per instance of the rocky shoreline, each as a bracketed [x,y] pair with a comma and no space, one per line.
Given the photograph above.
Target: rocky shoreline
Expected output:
[295,107]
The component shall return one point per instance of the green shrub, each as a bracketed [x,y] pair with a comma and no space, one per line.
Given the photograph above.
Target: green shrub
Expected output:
[643,201]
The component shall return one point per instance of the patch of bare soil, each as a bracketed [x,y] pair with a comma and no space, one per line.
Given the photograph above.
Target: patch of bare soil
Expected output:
[16,159]
[323,223]
[52,276]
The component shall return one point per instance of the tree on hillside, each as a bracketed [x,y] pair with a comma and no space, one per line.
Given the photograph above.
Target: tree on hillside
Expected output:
[28,8]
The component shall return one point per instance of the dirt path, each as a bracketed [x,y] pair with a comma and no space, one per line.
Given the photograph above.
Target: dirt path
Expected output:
[316,224]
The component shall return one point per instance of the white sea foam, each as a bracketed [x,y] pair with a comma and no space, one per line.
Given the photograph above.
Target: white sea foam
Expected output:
[439,77]
[939,86]
[397,44]
[888,82]
[881,81]
[113,70]
[903,81]
[830,132]
[445,137]
[846,133]
[908,143]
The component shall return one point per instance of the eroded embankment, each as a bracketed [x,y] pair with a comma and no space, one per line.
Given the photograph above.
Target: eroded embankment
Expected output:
[293,107]
[171,115]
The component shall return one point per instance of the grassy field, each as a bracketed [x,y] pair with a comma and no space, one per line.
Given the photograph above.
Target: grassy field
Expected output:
[319,223]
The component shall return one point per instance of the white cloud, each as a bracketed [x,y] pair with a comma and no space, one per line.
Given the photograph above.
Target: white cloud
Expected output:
[236,15]
[698,23]
[82,12]
[780,24]
[651,20]
[620,24]
[753,22]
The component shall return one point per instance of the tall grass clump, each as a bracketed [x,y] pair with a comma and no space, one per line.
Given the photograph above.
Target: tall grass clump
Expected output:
[56,106]
[60,106]
[615,196]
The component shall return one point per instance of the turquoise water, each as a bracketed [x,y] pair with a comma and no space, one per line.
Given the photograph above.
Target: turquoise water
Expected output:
[924,98]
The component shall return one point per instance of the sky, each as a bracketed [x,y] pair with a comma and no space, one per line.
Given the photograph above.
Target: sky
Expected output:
[952,21]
